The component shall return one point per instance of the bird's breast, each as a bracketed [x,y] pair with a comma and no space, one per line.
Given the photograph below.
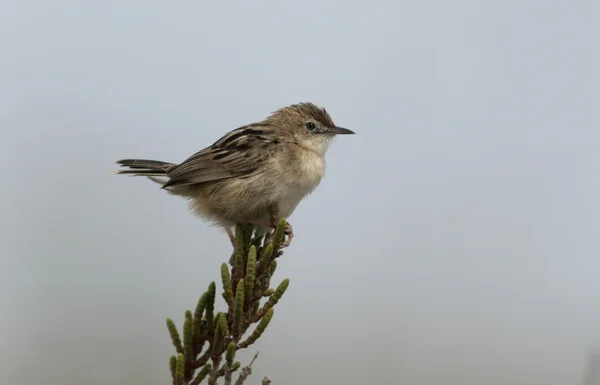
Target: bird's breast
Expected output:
[311,170]
[303,177]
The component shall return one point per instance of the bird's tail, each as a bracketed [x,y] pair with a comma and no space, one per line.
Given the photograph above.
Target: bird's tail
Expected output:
[143,167]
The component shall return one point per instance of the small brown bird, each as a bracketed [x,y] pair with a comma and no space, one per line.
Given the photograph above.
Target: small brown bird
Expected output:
[255,174]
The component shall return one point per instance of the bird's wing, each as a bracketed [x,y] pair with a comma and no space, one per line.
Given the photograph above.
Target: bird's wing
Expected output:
[237,154]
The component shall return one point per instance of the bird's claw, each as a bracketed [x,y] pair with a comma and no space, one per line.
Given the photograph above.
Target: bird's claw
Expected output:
[289,231]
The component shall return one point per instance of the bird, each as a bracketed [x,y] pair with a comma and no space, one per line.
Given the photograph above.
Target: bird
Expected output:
[256,174]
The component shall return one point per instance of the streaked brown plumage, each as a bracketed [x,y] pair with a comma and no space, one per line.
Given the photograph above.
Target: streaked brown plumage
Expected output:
[255,174]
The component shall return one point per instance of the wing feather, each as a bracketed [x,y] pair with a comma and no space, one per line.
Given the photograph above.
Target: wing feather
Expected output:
[237,154]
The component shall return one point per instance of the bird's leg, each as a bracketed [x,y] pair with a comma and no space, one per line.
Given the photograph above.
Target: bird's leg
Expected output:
[231,236]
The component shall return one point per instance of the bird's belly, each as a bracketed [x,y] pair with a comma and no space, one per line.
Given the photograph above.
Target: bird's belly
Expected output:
[290,199]
[252,199]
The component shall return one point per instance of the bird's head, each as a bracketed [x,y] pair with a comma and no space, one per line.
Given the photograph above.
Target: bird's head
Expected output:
[308,124]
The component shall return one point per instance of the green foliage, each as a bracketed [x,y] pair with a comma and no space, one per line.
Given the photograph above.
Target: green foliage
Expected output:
[238,310]
[223,327]
[246,282]
[239,266]
[239,239]
[279,234]
[250,274]
[217,341]
[210,307]
[173,366]
[174,335]
[260,329]
[179,369]
[267,253]
[198,324]
[202,374]
[187,336]
[227,288]
[272,301]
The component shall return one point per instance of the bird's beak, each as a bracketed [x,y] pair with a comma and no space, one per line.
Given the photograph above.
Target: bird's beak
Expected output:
[340,131]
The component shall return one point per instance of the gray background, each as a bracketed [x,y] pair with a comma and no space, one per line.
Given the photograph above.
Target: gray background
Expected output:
[453,241]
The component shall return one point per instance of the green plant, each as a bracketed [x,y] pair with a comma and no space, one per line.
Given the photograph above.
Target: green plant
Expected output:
[210,341]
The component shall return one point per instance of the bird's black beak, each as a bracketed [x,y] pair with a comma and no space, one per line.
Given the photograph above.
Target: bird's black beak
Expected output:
[340,131]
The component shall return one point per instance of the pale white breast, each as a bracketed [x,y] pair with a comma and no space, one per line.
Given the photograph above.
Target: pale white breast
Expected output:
[308,177]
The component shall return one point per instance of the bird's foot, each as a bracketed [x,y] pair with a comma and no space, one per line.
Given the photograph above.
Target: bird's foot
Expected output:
[288,231]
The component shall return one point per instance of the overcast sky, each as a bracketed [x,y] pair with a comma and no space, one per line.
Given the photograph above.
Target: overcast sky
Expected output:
[454,240]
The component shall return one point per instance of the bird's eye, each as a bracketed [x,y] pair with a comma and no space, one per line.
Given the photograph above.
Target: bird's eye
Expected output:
[310,126]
